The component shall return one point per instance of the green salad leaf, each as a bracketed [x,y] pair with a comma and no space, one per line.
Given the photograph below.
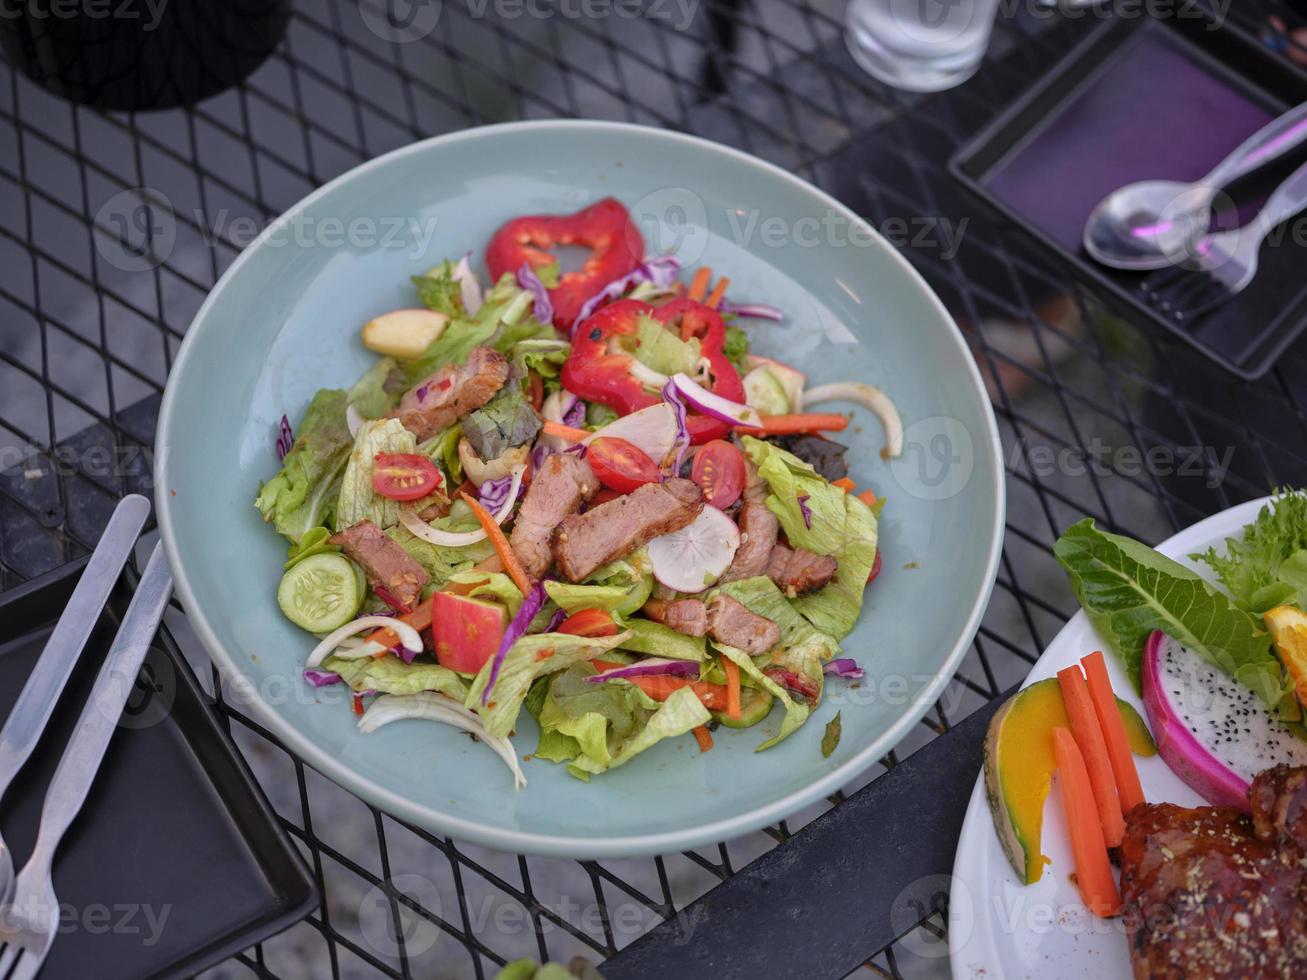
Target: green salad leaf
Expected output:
[680,713]
[442,449]
[658,349]
[437,290]
[390,675]
[761,596]
[1252,565]
[503,423]
[441,562]
[831,739]
[543,355]
[620,587]
[736,348]
[379,390]
[1128,590]
[358,501]
[505,304]
[495,586]
[658,640]
[311,542]
[796,713]
[575,716]
[303,494]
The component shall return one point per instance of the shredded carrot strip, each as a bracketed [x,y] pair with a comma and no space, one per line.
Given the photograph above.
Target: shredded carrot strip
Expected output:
[565,431]
[699,284]
[505,550]
[781,425]
[718,291]
[732,670]
[845,484]
[419,619]
[703,737]
[868,497]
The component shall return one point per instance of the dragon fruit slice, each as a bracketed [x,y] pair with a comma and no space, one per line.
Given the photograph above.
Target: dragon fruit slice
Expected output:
[1213,732]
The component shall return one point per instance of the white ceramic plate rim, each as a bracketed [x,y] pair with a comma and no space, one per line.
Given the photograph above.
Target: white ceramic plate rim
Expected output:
[978,844]
[550,844]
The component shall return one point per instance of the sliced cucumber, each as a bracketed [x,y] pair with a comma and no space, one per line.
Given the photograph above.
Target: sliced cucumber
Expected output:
[754,705]
[764,392]
[321,593]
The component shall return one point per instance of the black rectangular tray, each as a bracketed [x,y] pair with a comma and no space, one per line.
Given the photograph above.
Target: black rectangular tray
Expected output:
[177,861]
[1041,148]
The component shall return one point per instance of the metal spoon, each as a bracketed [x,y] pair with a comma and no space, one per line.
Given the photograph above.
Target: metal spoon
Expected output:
[1155,223]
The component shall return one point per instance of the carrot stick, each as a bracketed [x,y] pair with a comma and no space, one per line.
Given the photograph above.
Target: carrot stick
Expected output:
[868,497]
[505,550]
[718,291]
[780,425]
[699,284]
[564,431]
[845,484]
[1128,787]
[732,670]
[1089,737]
[1093,871]
[660,687]
[703,737]
[419,618]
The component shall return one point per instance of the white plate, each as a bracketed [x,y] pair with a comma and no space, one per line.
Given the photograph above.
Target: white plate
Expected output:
[1000,929]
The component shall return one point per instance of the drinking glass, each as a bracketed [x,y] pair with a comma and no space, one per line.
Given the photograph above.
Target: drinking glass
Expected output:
[920,45]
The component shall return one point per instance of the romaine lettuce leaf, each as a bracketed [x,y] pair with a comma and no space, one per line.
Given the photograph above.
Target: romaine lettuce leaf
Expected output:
[582,713]
[390,675]
[658,640]
[1250,567]
[620,587]
[530,657]
[358,501]
[1128,590]
[680,713]
[796,713]
[303,494]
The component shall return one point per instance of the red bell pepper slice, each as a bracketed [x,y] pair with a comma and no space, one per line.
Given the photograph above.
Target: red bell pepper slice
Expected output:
[605,227]
[599,375]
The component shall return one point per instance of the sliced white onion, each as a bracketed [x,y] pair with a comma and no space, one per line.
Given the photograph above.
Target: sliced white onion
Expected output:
[715,406]
[555,409]
[872,399]
[647,376]
[429,706]
[407,635]
[468,285]
[357,649]
[695,557]
[353,420]
[461,539]
[652,430]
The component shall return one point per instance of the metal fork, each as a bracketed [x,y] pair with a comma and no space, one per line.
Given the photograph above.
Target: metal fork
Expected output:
[29,923]
[1223,264]
[32,712]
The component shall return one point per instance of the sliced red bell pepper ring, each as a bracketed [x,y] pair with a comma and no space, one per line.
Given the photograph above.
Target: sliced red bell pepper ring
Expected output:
[605,227]
[598,374]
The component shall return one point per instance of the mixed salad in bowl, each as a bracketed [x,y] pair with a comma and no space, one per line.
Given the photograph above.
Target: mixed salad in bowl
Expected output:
[576,493]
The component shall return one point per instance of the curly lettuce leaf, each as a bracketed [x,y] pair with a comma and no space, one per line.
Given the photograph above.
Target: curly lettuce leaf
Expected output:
[303,494]
[530,657]
[1128,590]
[543,355]
[1252,565]
[680,713]
[312,542]
[796,713]
[390,675]
[495,586]
[580,718]
[506,304]
[736,348]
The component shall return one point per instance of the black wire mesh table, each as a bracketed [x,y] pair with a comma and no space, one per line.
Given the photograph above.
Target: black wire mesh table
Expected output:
[1083,399]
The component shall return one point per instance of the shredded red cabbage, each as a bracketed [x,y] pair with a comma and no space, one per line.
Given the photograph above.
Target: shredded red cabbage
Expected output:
[843,667]
[556,620]
[285,439]
[673,398]
[494,493]
[648,668]
[321,678]
[661,271]
[757,311]
[531,605]
[421,393]
[575,416]
[807,511]
[528,280]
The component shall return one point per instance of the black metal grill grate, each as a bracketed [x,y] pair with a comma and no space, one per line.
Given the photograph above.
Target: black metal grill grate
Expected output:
[86,346]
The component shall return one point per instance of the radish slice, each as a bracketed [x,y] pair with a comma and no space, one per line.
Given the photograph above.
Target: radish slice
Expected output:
[693,558]
[468,286]
[430,706]
[870,398]
[353,420]
[461,539]
[652,430]
[705,402]
[407,635]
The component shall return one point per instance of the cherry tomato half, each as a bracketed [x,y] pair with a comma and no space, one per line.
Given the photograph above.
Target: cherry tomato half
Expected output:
[719,471]
[589,622]
[621,465]
[404,476]
[875,568]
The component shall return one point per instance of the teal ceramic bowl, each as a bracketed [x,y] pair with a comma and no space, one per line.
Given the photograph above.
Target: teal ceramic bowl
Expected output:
[284,321]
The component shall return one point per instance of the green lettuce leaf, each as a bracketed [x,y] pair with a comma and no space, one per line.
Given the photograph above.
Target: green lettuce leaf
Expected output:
[661,350]
[379,390]
[390,675]
[303,494]
[761,596]
[442,449]
[576,716]
[311,542]
[495,586]
[503,423]
[736,348]
[679,714]
[1251,565]
[658,640]
[505,304]
[530,657]
[441,562]
[358,501]
[1128,590]
[620,587]
[831,738]
[543,355]
[796,713]
[438,291]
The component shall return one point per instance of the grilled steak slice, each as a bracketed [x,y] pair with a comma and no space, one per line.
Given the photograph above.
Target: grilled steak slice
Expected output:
[560,486]
[1210,893]
[441,399]
[731,623]
[758,527]
[388,566]
[800,571]
[688,616]
[605,533]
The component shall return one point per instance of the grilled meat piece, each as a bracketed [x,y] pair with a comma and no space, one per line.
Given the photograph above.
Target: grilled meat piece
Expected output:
[441,399]
[731,623]
[798,571]
[1210,893]
[614,529]
[688,616]
[560,486]
[758,529]
[388,566]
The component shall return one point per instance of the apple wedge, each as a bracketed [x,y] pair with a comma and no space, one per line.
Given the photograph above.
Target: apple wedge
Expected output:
[404,334]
